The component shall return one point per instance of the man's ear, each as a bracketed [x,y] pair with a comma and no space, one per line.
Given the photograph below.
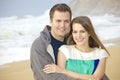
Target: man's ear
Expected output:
[50,21]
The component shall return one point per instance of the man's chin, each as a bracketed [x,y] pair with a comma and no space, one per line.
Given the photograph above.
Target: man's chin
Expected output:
[62,35]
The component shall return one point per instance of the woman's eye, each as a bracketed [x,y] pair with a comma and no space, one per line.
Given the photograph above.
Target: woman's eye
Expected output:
[82,31]
[74,32]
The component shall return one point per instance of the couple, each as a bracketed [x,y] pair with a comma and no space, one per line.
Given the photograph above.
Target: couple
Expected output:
[84,56]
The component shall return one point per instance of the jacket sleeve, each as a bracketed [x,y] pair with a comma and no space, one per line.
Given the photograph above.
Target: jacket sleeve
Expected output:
[105,77]
[39,58]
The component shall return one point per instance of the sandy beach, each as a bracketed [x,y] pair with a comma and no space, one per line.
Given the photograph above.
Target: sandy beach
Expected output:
[16,71]
[22,71]
[113,63]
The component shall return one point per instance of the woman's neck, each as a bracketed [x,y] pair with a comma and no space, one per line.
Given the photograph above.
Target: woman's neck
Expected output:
[84,48]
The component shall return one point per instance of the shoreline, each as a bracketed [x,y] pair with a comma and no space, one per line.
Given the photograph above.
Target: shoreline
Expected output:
[114,42]
[21,70]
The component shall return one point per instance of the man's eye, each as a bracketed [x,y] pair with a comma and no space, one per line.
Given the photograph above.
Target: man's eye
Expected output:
[58,21]
[67,21]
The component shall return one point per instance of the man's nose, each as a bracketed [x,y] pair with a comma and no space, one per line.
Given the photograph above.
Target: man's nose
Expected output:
[62,23]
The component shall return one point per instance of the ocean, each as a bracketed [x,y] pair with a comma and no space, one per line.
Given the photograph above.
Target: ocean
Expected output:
[17,34]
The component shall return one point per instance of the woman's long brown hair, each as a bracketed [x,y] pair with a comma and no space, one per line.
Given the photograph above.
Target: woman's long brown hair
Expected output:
[94,41]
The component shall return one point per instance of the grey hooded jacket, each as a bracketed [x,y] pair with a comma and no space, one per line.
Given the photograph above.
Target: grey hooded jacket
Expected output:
[42,54]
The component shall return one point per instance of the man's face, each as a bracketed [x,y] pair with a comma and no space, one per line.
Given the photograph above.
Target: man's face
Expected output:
[60,24]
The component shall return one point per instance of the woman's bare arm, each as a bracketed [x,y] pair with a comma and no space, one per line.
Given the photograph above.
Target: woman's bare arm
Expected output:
[60,68]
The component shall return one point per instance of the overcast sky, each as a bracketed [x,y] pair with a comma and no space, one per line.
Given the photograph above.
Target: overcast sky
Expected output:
[26,7]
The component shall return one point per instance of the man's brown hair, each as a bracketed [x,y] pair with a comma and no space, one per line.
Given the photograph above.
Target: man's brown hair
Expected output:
[62,7]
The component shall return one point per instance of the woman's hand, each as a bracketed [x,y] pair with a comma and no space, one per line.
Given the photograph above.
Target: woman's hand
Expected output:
[52,68]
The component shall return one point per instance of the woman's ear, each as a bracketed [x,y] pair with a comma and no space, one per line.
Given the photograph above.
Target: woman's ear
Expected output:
[89,34]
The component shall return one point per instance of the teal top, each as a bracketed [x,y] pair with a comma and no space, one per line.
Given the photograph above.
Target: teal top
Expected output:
[81,62]
[80,66]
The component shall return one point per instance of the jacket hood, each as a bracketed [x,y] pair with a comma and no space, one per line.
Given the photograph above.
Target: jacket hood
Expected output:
[45,34]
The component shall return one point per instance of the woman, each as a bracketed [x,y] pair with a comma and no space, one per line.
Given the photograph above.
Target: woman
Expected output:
[85,56]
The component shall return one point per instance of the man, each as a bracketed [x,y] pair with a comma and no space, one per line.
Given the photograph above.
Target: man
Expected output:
[45,48]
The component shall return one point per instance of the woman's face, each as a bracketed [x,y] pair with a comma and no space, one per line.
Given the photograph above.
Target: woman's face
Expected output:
[80,35]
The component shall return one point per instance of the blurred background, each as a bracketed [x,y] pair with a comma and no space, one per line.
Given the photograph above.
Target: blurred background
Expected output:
[22,20]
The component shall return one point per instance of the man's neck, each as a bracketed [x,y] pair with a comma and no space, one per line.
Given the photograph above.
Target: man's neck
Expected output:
[60,38]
